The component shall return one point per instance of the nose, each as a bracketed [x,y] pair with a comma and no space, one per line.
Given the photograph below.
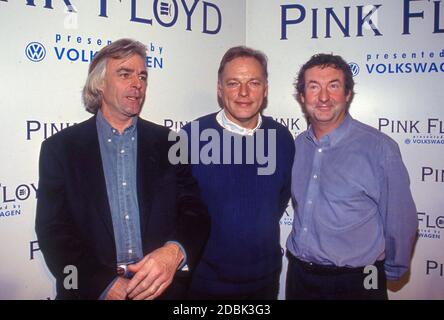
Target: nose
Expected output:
[244,91]
[324,96]
[137,82]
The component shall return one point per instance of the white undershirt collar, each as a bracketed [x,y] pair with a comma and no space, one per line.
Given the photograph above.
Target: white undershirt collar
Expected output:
[229,125]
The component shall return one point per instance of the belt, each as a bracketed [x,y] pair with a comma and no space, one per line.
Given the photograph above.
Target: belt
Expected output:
[322,269]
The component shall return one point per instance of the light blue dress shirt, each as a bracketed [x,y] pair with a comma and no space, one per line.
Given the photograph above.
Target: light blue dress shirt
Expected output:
[352,200]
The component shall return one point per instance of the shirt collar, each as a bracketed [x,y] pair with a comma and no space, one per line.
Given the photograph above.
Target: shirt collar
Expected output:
[107,129]
[333,137]
[229,125]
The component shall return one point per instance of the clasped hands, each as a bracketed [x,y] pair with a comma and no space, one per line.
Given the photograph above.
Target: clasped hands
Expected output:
[152,275]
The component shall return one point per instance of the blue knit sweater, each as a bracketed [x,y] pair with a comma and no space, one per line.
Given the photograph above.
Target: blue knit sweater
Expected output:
[243,253]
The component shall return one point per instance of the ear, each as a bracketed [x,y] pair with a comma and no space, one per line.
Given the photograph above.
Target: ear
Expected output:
[301,97]
[219,89]
[101,86]
[266,90]
[347,98]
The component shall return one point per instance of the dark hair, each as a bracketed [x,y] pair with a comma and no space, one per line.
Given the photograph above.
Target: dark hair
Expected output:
[92,98]
[324,60]
[243,52]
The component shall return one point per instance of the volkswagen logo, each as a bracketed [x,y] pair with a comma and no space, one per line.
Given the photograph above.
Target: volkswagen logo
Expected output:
[354,68]
[35,51]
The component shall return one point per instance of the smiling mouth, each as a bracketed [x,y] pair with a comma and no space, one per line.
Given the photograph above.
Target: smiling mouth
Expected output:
[327,107]
[244,104]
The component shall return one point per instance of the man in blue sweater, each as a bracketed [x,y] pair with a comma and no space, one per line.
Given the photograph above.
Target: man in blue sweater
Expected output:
[242,161]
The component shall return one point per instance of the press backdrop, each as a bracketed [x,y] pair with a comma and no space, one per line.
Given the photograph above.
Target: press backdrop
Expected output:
[396,49]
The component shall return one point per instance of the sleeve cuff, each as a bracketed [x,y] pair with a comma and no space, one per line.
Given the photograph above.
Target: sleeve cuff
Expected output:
[182,265]
[394,273]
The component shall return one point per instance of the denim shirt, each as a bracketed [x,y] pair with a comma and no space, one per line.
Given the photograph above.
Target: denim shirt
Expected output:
[119,158]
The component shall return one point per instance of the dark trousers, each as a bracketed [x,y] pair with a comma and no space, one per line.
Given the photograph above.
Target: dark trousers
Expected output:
[307,281]
[269,292]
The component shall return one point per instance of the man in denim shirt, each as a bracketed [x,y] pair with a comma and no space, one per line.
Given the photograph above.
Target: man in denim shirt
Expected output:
[350,190]
[110,204]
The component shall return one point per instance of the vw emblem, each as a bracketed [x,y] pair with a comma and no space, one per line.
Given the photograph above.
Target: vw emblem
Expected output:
[354,68]
[35,51]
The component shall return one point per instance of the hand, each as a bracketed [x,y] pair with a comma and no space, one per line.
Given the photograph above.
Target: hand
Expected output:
[118,290]
[154,273]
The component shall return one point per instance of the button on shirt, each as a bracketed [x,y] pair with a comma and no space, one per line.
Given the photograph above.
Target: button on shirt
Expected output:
[352,199]
[119,158]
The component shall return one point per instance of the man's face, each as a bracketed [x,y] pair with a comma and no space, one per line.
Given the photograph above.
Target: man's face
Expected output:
[324,99]
[123,89]
[242,89]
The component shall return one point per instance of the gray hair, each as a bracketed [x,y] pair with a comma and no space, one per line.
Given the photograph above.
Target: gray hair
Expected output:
[243,52]
[91,95]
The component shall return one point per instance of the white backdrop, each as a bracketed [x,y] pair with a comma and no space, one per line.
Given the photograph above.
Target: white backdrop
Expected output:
[390,95]
[38,98]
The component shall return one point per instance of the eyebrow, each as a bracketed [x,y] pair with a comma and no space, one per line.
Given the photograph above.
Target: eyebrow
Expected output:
[317,82]
[144,72]
[125,69]
[239,79]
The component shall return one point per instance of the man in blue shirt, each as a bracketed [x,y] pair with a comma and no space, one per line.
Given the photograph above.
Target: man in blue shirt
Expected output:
[350,190]
[110,204]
